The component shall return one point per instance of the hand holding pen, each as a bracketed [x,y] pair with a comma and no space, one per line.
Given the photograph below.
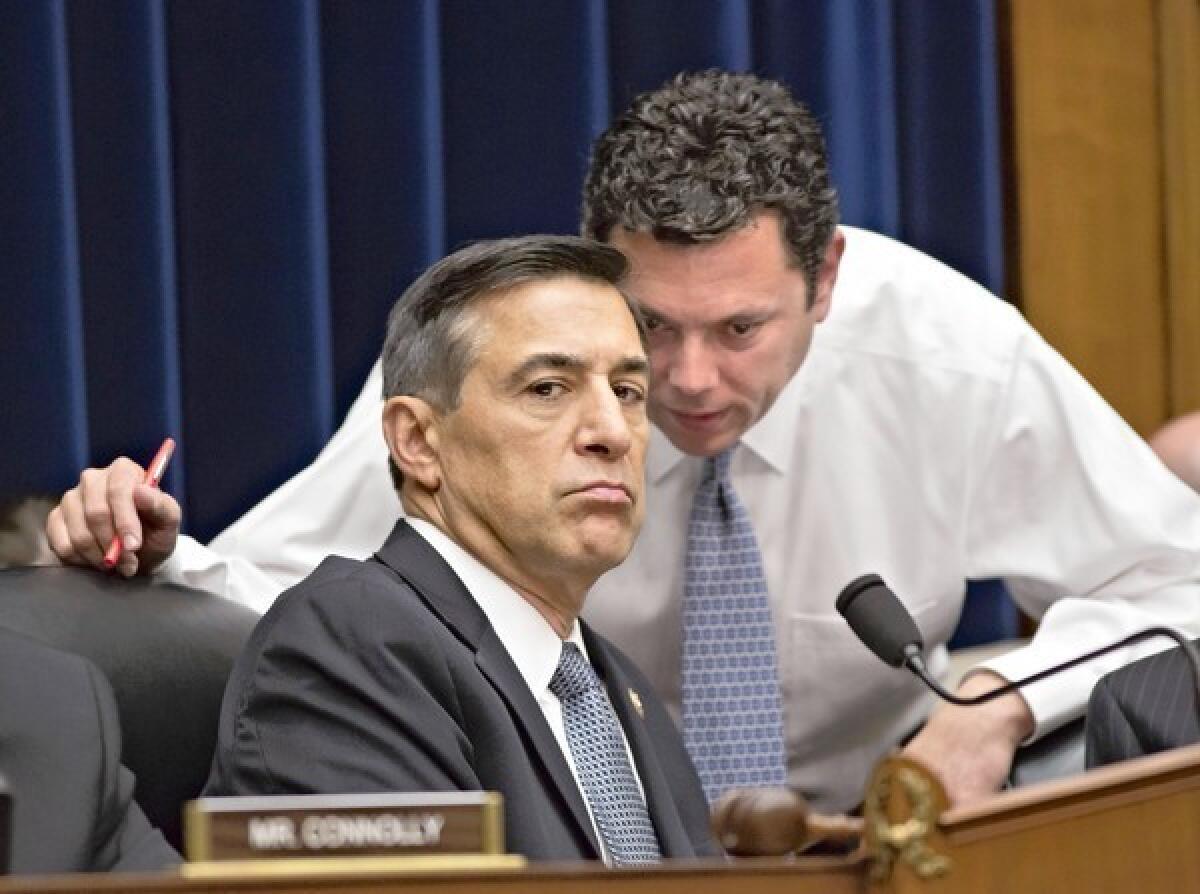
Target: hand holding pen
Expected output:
[117,518]
[154,473]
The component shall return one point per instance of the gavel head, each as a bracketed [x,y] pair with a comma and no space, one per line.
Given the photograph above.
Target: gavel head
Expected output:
[760,822]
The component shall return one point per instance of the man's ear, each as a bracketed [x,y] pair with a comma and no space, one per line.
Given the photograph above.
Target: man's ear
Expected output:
[410,429]
[827,274]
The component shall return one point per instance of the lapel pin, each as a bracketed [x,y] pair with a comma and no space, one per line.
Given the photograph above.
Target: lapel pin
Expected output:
[636,701]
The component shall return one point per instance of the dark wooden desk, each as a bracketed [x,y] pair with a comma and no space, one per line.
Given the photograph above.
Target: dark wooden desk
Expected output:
[1129,827]
[818,875]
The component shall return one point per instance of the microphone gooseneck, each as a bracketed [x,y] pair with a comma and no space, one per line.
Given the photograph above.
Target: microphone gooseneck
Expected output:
[880,620]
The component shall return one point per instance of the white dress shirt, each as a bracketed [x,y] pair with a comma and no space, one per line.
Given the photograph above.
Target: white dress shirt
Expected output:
[930,436]
[530,641]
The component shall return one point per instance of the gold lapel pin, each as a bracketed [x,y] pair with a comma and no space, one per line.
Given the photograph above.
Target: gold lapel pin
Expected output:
[636,701]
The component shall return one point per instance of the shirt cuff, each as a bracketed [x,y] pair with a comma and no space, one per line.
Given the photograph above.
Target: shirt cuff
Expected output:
[1053,702]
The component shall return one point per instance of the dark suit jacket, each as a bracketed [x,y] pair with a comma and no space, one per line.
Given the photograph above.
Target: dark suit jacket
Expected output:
[385,675]
[1144,707]
[60,745]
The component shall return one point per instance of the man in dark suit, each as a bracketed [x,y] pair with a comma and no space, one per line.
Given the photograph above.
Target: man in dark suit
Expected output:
[1143,708]
[60,746]
[515,379]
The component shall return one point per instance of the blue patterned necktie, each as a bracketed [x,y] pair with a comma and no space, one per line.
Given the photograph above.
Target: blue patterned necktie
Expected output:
[602,763]
[732,712]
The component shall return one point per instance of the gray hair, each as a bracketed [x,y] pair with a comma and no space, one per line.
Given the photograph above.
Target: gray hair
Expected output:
[699,157]
[433,334]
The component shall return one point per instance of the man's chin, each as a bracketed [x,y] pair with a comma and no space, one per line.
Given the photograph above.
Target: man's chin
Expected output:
[700,443]
[700,434]
[604,551]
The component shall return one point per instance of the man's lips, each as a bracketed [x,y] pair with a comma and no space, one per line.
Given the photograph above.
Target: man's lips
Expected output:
[701,422]
[605,491]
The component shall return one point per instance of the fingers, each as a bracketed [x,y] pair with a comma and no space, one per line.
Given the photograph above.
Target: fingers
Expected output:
[160,517]
[127,564]
[109,502]
[81,527]
[112,503]
[58,537]
[156,510]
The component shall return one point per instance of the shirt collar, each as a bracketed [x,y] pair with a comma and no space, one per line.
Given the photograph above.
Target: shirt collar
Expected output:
[771,439]
[661,456]
[527,637]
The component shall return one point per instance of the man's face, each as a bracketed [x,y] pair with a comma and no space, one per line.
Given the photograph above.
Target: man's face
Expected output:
[542,461]
[729,324]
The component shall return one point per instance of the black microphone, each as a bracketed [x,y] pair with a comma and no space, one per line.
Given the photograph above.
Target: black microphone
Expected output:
[881,621]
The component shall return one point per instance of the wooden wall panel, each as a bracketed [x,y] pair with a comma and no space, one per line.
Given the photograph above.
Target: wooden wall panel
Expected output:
[1087,163]
[1179,77]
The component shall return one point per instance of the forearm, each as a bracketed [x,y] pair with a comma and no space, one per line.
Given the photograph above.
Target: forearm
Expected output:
[971,748]
[1075,626]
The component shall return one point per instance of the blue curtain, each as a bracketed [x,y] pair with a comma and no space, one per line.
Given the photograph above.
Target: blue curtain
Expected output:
[208,206]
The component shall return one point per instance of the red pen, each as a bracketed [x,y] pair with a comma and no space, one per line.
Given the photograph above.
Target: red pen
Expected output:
[154,473]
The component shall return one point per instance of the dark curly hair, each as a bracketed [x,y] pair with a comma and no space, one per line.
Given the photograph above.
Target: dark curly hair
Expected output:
[700,156]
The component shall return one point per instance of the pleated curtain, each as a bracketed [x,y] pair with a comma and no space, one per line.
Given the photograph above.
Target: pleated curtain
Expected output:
[207,207]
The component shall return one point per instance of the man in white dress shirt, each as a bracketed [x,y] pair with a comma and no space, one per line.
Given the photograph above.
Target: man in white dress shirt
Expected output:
[883,413]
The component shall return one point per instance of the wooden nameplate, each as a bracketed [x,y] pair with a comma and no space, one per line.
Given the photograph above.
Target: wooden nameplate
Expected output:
[341,833]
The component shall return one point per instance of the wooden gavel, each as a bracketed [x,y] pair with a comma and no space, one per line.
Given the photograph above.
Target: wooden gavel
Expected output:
[770,822]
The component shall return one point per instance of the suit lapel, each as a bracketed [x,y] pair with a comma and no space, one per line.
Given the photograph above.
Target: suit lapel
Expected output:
[627,702]
[494,661]
[411,557]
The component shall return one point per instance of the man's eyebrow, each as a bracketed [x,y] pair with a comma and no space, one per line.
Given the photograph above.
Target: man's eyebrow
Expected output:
[544,360]
[632,364]
[750,313]
[647,312]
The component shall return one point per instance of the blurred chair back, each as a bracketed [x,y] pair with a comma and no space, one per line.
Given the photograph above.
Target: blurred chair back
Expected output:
[167,651]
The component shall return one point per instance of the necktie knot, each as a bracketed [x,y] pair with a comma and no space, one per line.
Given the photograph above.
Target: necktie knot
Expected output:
[715,480]
[720,466]
[574,675]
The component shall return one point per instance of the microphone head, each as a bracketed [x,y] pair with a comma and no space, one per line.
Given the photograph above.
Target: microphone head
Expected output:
[879,619]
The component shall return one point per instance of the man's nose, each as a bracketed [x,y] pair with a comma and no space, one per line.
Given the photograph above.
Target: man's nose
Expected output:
[692,369]
[605,428]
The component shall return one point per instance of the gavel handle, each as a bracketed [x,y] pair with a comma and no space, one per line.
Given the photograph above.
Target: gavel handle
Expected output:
[832,828]
[774,822]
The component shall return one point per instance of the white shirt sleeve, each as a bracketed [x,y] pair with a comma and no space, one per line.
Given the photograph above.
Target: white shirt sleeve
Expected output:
[1092,533]
[344,504]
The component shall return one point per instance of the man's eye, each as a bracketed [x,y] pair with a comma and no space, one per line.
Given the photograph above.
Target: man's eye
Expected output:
[742,328]
[630,394]
[653,324]
[547,389]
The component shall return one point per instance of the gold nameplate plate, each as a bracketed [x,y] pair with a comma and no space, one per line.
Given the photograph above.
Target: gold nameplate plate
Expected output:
[369,825]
